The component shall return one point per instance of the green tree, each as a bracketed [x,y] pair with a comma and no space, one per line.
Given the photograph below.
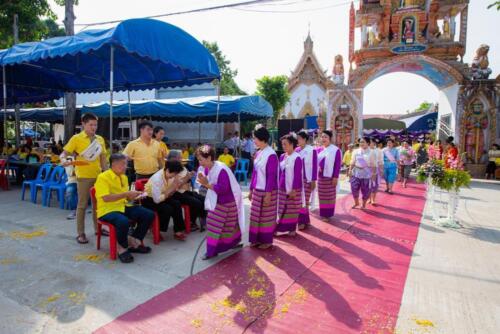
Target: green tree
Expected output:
[53,30]
[227,85]
[32,20]
[275,91]
[495,4]
[423,106]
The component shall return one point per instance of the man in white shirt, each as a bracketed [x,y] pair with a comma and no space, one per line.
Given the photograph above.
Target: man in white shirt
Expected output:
[229,143]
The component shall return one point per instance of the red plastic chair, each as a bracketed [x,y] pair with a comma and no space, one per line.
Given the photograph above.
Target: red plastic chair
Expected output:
[139,186]
[4,179]
[111,229]
[155,227]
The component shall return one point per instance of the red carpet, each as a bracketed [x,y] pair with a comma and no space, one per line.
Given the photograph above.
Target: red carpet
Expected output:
[344,277]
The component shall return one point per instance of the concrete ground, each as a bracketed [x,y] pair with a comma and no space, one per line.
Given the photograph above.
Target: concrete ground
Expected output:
[51,284]
[453,285]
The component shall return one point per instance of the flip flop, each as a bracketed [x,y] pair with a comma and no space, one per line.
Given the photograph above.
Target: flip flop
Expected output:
[180,237]
[126,257]
[82,239]
[140,249]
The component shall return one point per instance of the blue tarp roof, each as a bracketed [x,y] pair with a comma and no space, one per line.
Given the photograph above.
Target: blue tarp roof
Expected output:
[194,109]
[425,123]
[50,115]
[148,54]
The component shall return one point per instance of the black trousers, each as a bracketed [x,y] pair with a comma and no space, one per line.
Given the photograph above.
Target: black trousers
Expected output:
[167,209]
[196,204]
[142,216]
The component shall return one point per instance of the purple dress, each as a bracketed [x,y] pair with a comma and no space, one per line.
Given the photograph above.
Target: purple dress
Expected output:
[327,193]
[263,217]
[304,218]
[223,231]
[288,209]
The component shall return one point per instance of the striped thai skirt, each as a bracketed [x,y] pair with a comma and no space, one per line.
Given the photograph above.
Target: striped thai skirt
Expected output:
[304,218]
[288,211]
[327,194]
[262,218]
[223,230]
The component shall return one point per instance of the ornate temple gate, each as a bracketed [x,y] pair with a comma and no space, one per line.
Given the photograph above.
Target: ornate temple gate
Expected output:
[427,38]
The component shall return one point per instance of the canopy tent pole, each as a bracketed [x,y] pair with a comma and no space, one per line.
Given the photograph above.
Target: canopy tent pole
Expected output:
[129,115]
[239,135]
[112,64]
[65,138]
[4,105]
[218,108]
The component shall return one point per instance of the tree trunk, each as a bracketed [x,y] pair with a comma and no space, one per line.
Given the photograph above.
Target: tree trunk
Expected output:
[70,98]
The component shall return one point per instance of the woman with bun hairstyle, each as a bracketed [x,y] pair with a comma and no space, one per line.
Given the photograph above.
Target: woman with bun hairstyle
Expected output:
[309,175]
[263,191]
[289,186]
[329,163]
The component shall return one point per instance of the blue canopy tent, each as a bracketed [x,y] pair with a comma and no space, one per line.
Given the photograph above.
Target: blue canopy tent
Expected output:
[194,109]
[40,115]
[137,54]
[423,124]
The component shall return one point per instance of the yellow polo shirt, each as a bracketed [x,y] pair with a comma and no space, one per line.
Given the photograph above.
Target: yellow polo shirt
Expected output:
[228,159]
[346,159]
[164,148]
[78,143]
[145,156]
[109,183]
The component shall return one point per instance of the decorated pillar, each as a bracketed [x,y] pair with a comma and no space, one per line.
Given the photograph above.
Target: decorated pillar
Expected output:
[463,26]
[364,33]
[453,14]
[351,35]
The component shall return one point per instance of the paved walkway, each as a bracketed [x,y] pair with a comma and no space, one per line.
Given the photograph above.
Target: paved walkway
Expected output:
[50,284]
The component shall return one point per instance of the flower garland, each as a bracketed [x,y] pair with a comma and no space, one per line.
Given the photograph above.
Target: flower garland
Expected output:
[452,178]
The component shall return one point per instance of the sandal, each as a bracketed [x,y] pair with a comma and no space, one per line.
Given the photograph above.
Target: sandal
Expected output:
[126,257]
[141,249]
[194,227]
[206,257]
[180,237]
[82,239]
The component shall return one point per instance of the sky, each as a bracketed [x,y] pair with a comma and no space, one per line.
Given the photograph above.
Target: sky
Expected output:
[268,39]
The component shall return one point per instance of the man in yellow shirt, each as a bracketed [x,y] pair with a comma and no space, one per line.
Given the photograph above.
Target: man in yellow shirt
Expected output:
[90,152]
[227,158]
[346,159]
[112,197]
[158,134]
[145,152]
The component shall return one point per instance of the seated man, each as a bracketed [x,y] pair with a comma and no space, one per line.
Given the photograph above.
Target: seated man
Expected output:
[227,158]
[113,206]
[185,196]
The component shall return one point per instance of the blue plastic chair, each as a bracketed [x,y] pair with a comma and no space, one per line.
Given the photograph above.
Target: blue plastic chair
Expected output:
[42,175]
[55,176]
[242,170]
[60,188]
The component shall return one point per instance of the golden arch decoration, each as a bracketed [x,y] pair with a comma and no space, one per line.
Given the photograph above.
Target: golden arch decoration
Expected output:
[307,110]
[374,72]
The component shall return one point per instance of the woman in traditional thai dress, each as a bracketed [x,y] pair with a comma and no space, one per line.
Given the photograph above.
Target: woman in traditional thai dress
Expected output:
[224,203]
[451,154]
[379,167]
[391,158]
[263,192]
[329,163]
[407,158]
[362,172]
[289,186]
[310,174]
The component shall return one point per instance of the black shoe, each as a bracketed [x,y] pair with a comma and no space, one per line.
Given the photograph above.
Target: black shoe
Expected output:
[140,249]
[126,257]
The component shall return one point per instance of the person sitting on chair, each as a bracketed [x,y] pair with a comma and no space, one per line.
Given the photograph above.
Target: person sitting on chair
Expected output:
[113,206]
[227,158]
[185,196]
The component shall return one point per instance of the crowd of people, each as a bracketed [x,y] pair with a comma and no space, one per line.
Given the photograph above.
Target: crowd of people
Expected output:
[282,188]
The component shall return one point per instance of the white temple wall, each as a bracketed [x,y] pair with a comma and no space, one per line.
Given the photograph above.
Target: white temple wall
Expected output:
[448,98]
[303,93]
